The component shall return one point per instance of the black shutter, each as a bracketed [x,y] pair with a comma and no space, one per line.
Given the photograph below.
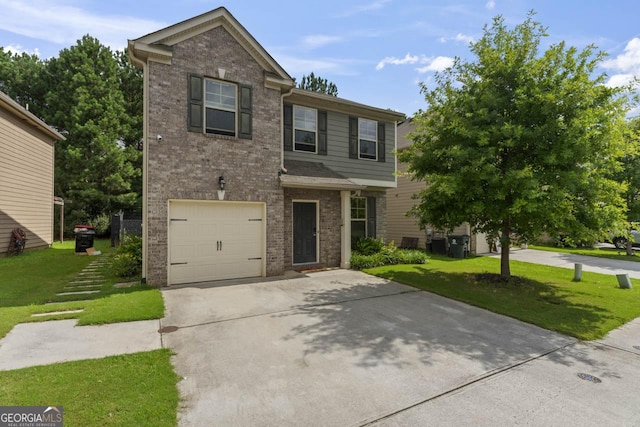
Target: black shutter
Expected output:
[371,217]
[322,133]
[288,127]
[382,146]
[195,114]
[353,137]
[244,103]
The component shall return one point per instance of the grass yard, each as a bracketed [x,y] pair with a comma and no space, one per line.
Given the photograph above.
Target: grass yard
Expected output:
[132,389]
[129,390]
[32,279]
[610,253]
[546,297]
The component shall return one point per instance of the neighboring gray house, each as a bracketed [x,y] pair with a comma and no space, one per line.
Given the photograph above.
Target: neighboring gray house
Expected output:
[26,175]
[399,202]
[244,175]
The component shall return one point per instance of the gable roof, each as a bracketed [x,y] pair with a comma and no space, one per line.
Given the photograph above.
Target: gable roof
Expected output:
[157,46]
[17,110]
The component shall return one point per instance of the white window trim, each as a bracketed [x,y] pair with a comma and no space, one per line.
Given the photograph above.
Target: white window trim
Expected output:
[375,142]
[294,129]
[235,111]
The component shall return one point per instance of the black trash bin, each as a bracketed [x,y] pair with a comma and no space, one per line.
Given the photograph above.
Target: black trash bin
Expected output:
[84,237]
[458,246]
[438,245]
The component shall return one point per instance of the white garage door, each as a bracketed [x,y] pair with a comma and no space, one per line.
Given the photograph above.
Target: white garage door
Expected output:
[215,241]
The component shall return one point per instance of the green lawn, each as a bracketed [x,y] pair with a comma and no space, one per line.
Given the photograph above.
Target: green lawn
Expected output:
[547,296]
[129,390]
[134,389]
[32,279]
[610,253]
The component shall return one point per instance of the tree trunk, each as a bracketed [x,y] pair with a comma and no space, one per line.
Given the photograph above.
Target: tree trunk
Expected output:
[505,244]
[630,246]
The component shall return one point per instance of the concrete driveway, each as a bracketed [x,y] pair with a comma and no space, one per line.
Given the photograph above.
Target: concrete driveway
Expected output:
[341,348]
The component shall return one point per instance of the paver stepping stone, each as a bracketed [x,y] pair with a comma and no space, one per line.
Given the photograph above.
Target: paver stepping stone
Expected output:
[53,313]
[82,286]
[64,302]
[77,293]
[79,282]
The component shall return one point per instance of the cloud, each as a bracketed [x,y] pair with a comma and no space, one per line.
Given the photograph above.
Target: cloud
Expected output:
[375,5]
[319,40]
[458,38]
[19,50]
[439,63]
[490,4]
[54,21]
[627,64]
[297,66]
[408,59]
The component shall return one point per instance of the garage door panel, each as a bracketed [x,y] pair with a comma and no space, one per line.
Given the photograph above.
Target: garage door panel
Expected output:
[216,241]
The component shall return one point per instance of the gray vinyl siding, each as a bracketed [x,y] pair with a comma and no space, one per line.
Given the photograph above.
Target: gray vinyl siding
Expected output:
[399,202]
[337,157]
[26,183]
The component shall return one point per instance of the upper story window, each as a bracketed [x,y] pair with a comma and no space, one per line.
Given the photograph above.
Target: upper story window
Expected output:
[220,107]
[367,139]
[304,129]
[305,126]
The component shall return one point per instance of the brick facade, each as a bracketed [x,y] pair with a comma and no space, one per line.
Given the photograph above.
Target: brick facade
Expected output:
[186,165]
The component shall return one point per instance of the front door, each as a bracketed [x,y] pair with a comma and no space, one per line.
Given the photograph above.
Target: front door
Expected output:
[305,232]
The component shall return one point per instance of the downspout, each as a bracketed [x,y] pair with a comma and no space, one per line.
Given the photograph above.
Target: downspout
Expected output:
[282,168]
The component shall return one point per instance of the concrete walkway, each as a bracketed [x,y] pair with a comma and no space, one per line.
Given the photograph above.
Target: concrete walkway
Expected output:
[43,343]
[564,260]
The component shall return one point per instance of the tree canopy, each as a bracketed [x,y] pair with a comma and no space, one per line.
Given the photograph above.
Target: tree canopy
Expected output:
[315,83]
[93,96]
[518,142]
[629,176]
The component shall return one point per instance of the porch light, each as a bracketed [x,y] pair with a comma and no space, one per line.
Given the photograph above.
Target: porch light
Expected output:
[221,183]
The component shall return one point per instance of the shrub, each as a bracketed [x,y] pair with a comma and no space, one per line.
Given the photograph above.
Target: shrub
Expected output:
[102,224]
[368,246]
[387,255]
[127,261]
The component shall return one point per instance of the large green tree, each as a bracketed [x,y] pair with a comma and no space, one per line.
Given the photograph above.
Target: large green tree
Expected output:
[629,175]
[315,83]
[519,142]
[22,77]
[86,104]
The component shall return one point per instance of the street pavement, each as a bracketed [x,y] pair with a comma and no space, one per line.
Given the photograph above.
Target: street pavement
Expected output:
[565,260]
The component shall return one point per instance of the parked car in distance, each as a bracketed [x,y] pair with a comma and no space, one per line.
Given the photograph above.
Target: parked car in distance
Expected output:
[621,242]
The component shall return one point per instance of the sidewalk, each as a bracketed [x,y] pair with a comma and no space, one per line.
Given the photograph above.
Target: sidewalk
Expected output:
[564,260]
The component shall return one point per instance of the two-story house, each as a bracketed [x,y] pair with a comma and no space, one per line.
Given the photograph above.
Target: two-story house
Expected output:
[245,175]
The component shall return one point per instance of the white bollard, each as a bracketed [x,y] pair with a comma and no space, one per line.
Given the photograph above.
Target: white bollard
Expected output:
[577,274]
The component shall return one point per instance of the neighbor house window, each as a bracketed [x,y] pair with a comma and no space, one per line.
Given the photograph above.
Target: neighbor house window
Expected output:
[220,107]
[367,139]
[305,126]
[358,218]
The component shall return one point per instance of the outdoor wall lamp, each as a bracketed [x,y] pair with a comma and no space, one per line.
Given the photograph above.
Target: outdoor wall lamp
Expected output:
[221,183]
